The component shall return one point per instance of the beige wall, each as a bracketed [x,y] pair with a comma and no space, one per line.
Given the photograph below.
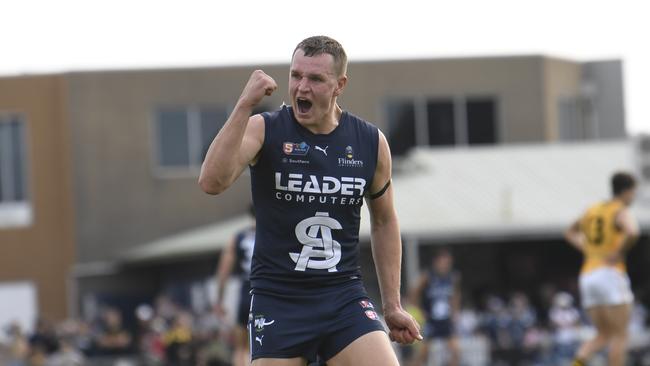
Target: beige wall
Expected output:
[121,199]
[516,82]
[561,79]
[43,252]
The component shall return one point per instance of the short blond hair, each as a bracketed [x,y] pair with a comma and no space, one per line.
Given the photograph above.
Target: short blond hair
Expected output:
[317,45]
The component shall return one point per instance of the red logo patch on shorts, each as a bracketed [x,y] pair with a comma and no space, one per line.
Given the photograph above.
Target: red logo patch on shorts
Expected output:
[372,315]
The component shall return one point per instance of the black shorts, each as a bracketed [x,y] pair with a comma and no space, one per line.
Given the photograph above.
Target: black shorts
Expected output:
[316,324]
[244,304]
[437,329]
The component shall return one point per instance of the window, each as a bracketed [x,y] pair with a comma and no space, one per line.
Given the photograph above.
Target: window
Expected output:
[644,158]
[571,123]
[576,119]
[401,131]
[184,135]
[645,172]
[15,208]
[440,122]
[13,180]
[481,121]
[644,145]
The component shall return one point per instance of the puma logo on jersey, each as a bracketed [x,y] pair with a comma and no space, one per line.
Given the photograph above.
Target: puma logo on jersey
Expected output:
[321,149]
[259,339]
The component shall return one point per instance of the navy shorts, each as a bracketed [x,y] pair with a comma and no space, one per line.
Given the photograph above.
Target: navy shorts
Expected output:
[436,329]
[316,324]
[244,304]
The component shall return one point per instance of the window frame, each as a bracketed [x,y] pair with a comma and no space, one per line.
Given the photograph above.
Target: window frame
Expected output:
[498,122]
[193,122]
[461,123]
[17,213]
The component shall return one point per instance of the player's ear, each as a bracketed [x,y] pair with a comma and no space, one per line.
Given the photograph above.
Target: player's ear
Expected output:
[340,85]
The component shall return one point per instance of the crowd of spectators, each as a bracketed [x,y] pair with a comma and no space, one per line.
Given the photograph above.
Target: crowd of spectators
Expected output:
[518,334]
[166,334]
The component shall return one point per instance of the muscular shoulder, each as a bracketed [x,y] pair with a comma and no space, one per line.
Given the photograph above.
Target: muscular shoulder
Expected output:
[262,123]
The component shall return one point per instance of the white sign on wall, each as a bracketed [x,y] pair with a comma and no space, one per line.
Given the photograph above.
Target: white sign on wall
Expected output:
[18,304]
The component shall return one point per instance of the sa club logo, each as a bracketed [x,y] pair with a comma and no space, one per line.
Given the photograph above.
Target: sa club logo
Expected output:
[320,250]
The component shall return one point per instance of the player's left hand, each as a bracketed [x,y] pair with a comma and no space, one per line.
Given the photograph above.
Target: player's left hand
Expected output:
[402,326]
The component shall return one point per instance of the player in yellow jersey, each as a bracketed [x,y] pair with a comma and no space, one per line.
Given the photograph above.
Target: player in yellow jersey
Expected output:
[604,234]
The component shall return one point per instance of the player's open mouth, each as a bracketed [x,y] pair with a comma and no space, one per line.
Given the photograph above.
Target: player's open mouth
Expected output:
[303,105]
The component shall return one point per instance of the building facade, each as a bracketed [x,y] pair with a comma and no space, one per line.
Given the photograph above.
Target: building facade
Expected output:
[110,159]
[37,218]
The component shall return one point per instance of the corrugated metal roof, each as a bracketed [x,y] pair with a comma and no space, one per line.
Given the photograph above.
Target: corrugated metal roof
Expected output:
[518,190]
[202,240]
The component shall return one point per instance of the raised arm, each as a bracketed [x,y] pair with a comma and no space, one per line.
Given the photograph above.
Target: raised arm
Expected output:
[240,139]
[387,249]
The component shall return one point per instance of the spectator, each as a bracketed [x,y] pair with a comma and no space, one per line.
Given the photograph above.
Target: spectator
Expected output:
[638,318]
[496,323]
[178,341]
[150,333]
[113,338]
[42,343]
[17,344]
[523,321]
[564,319]
[468,321]
[67,354]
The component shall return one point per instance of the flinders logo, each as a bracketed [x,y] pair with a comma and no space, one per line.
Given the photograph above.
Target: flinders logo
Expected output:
[349,153]
[348,160]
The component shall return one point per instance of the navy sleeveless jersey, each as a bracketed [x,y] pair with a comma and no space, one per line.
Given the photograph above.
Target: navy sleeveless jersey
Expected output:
[438,295]
[308,190]
[244,244]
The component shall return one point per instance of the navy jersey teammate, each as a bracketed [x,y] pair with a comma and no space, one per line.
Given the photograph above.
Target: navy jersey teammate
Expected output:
[438,292]
[312,166]
[236,259]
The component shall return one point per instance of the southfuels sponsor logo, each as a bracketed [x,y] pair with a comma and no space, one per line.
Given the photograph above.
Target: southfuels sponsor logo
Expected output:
[294,161]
